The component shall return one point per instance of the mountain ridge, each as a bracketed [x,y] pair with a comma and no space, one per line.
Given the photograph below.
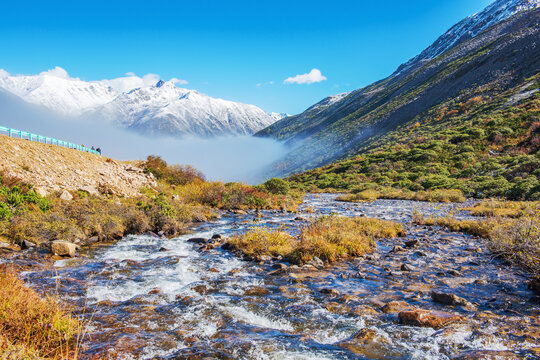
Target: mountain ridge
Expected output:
[501,54]
[158,109]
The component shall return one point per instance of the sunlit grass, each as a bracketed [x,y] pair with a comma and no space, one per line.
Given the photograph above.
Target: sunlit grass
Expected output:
[32,327]
[330,238]
[441,195]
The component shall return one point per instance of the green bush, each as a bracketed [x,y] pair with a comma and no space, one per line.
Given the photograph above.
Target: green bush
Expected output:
[277,186]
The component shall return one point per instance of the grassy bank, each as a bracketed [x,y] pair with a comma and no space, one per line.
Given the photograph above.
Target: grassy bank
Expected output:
[32,327]
[330,238]
[182,196]
[441,195]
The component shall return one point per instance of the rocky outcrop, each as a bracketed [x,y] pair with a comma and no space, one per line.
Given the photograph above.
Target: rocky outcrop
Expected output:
[52,168]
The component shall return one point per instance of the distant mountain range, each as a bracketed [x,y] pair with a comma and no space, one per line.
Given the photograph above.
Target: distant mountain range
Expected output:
[161,108]
[483,54]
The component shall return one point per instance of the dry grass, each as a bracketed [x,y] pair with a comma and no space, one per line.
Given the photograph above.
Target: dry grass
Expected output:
[518,241]
[32,327]
[498,208]
[441,195]
[472,227]
[264,241]
[329,238]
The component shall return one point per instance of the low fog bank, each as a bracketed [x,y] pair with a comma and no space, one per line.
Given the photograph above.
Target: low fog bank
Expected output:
[231,158]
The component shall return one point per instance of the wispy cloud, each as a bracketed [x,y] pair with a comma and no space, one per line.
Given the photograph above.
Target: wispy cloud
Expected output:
[265,83]
[314,76]
[179,81]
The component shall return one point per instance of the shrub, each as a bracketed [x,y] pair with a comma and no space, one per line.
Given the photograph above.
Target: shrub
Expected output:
[277,186]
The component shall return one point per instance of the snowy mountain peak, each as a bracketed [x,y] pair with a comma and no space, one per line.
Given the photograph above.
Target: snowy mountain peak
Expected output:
[147,104]
[278,116]
[471,26]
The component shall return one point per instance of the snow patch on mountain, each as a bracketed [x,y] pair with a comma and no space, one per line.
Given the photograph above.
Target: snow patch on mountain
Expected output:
[470,27]
[146,103]
[278,116]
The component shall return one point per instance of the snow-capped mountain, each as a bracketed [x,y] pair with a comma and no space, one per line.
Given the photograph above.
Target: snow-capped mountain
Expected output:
[471,26]
[64,95]
[158,107]
[165,108]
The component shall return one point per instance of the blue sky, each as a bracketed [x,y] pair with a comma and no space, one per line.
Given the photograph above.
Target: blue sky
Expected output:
[238,50]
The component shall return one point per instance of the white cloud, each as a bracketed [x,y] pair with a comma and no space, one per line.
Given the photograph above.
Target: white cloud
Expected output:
[3,73]
[179,81]
[57,72]
[266,83]
[314,76]
[132,81]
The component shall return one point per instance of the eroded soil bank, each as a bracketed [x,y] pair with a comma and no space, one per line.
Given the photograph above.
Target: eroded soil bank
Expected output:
[147,297]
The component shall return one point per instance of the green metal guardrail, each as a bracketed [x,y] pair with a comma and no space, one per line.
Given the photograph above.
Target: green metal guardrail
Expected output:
[44,139]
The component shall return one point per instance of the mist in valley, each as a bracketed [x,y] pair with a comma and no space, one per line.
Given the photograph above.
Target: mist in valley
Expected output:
[228,158]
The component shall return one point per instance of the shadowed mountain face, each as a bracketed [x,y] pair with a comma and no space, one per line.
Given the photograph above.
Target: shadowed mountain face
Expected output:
[496,59]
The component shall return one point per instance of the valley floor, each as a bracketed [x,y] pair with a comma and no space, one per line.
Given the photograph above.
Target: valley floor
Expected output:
[434,294]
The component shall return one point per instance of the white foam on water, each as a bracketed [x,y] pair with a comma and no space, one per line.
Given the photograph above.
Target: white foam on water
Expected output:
[246,316]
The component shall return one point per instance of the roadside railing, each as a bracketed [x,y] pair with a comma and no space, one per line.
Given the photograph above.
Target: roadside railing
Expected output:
[44,139]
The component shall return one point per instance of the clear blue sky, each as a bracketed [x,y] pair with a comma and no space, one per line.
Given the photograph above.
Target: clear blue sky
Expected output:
[226,48]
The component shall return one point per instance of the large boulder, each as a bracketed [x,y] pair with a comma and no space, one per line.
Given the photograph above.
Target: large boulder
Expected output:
[426,318]
[63,248]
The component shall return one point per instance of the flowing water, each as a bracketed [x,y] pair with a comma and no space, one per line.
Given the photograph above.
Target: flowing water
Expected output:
[147,298]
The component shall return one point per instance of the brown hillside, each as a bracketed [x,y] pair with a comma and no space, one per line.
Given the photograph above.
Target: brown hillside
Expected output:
[52,168]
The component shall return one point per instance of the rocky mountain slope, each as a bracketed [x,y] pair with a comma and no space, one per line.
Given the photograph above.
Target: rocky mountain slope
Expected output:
[162,108]
[496,59]
[52,168]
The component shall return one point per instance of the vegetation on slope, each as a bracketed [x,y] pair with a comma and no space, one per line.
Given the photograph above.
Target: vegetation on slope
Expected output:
[493,61]
[32,327]
[484,146]
[329,238]
[181,198]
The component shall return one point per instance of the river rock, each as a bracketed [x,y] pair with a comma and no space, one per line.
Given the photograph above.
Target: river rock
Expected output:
[367,343]
[25,244]
[486,355]
[331,292]
[197,240]
[63,248]
[534,285]
[264,258]
[65,195]
[451,299]
[217,237]
[256,291]
[397,249]
[316,262]
[426,318]
[396,306]
[279,266]
[412,243]
[406,267]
